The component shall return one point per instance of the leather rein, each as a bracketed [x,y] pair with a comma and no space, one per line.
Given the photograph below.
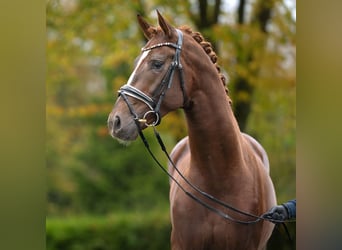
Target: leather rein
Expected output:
[154,106]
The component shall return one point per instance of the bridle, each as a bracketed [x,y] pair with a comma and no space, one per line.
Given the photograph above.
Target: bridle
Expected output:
[154,106]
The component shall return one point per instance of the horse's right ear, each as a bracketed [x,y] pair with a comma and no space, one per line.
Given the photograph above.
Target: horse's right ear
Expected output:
[145,26]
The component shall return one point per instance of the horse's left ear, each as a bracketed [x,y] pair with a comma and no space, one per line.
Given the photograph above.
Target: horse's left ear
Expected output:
[165,26]
[145,26]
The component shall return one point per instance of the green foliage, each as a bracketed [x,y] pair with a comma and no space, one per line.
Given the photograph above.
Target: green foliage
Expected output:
[113,177]
[150,231]
[96,174]
[276,131]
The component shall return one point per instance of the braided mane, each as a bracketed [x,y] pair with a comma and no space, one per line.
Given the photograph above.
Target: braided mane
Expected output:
[207,47]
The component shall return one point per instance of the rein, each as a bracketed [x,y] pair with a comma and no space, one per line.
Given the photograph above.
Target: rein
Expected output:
[128,90]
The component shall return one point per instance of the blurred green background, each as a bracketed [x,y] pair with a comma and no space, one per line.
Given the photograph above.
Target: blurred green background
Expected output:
[102,195]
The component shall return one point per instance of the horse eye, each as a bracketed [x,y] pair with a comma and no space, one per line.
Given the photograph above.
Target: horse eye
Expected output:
[156,64]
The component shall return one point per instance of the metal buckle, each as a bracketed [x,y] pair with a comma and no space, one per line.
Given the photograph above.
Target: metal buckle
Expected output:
[154,123]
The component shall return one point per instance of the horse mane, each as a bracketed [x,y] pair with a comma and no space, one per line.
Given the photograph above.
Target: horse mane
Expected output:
[207,47]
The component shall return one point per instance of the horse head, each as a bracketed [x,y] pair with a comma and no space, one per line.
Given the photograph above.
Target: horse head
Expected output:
[156,85]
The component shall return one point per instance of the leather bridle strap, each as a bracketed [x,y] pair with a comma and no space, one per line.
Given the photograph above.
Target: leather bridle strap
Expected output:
[136,93]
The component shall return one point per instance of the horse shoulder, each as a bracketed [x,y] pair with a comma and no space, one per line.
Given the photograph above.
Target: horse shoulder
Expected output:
[179,156]
[270,197]
[178,152]
[259,150]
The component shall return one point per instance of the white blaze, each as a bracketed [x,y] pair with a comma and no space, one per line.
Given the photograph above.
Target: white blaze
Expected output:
[142,57]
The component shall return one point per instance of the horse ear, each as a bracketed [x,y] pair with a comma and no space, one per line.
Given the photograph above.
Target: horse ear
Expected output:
[164,25]
[145,26]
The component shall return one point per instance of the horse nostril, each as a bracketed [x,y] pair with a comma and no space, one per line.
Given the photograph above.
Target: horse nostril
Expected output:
[117,123]
[114,124]
[110,124]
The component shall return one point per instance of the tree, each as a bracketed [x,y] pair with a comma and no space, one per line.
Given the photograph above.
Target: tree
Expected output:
[243,86]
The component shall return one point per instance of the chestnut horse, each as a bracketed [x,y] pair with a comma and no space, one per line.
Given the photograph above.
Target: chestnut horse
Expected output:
[177,69]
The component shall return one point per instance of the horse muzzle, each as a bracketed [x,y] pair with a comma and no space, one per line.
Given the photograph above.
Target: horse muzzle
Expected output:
[122,127]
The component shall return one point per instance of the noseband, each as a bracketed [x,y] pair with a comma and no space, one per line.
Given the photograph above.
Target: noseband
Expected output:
[153,105]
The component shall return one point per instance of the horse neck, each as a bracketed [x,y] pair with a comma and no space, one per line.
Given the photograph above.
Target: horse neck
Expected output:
[214,134]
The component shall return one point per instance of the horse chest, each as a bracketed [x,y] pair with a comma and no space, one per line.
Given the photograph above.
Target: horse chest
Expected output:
[207,232]
[195,227]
